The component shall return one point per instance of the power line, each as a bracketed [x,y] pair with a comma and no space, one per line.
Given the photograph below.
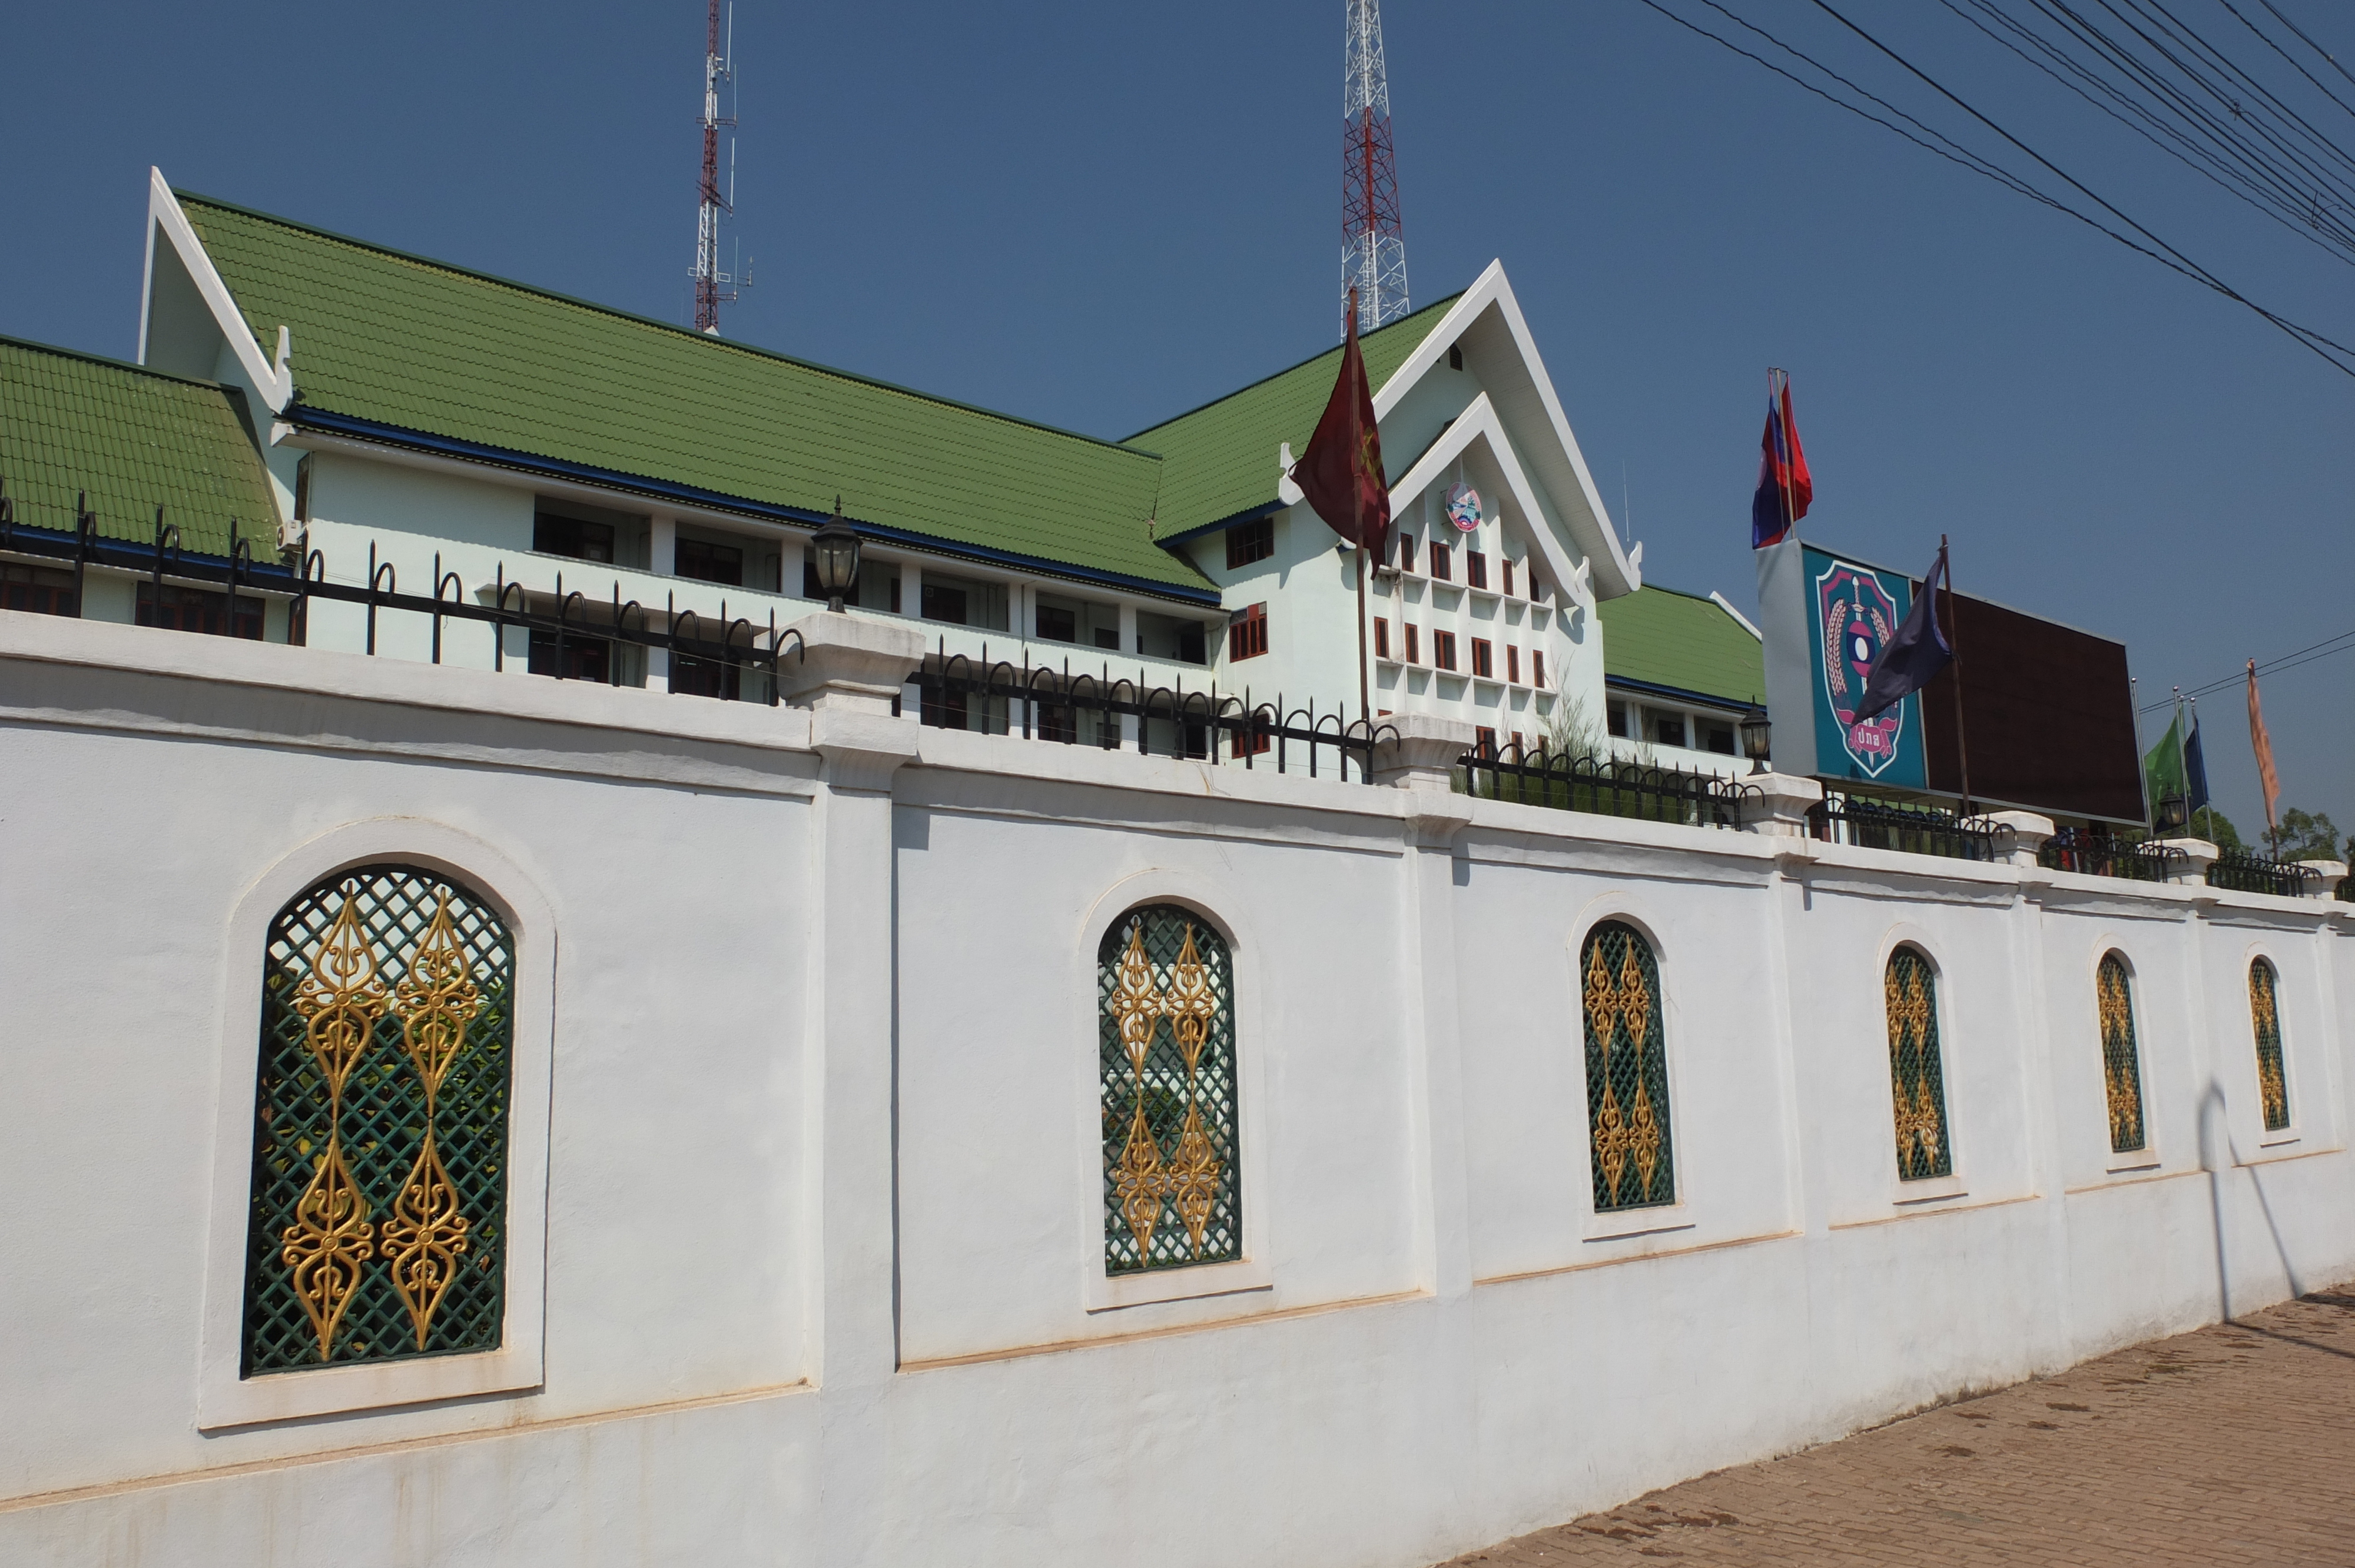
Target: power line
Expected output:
[2343,643]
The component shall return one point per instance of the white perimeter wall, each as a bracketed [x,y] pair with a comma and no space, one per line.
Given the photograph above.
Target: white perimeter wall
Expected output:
[822,1280]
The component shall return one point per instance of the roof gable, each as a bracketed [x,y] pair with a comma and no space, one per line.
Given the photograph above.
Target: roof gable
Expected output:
[399,341]
[131,440]
[1219,458]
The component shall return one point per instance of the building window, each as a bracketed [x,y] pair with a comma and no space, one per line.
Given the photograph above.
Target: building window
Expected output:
[377,1223]
[1663,729]
[1627,1071]
[1512,664]
[724,563]
[1506,566]
[1537,669]
[2121,1063]
[1442,650]
[1381,638]
[1484,740]
[1439,561]
[1249,542]
[1057,625]
[1616,718]
[944,603]
[1414,645]
[574,537]
[1247,633]
[1917,1078]
[583,659]
[2265,1018]
[1166,1064]
[1475,569]
[1484,659]
[1715,736]
[1406,552]
[192,610]
[38,589]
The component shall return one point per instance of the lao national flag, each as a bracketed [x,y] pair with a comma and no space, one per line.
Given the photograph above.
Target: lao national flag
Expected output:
[1785,488]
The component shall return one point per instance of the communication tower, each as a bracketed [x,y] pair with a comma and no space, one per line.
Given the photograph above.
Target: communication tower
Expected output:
[1373,242]
[714,287]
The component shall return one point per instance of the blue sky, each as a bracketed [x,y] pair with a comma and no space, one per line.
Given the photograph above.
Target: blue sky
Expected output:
[1097,215]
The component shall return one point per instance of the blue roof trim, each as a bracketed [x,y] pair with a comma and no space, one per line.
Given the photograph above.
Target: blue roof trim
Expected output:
[304,417]
[1682,694]
[1249,514]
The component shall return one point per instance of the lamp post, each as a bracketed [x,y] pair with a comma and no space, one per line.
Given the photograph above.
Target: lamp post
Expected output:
[835,547]
[1755,735]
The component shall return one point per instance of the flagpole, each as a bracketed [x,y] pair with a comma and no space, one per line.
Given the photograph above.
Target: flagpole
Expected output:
[1358,518]
[1954,645]
[2183,764]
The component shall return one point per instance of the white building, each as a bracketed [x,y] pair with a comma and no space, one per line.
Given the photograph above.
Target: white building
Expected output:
[414,420]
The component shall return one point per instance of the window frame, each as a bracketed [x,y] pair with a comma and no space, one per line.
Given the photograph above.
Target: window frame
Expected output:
[1250,542]
[1247,633]
[2289,1132]
[1438,553]
[1101,1292]
[224,1397]
[1413,642]
[1905,1192]
[1537,668]
[2145,1155]
[1483,659]
[1381,638]
[1653,1219]
[1443,651]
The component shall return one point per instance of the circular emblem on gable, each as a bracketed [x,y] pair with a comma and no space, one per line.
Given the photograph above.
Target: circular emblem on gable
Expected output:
[1464,507]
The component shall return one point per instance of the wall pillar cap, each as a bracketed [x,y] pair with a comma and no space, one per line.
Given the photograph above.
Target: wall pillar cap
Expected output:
[1419,751]
[862,749]
[2198,854]
[2029,832]
[851,663]
[1781,806]
[2329,874]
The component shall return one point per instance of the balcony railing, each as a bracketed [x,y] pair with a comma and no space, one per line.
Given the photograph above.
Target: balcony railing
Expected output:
[1098,709]
[2238,871]
[1913,829]
[1581,783]
[2095,854]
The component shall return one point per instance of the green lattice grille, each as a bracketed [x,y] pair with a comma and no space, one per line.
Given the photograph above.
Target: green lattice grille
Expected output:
[1171,1199]
[382,1127]
[1917,1078]
[2265,1019]
[2121,1062]
[1627,1071]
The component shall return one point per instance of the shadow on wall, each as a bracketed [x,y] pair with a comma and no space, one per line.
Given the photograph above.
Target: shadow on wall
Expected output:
[2218,1155]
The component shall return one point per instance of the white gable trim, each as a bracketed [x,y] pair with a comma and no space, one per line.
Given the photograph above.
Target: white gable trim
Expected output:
[1479,424]
[276,383]
[1727,605]
[1564,467]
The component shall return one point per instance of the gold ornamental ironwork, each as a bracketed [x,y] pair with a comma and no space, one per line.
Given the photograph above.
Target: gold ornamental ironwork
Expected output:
[2121,1062]
[1144,1180]
[1621,1134]
[1916,1094]
[339,1000]
[2265,1017]
[425,1234]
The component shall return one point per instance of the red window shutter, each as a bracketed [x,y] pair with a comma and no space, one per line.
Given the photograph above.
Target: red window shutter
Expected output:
[1512,664]
[1483,663]
[1414,645]
[1381,638]
[1536,667]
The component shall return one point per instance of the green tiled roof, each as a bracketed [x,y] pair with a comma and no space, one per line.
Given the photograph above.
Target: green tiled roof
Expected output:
[402,341]
[1220,459]
[131,439]
[1670,638]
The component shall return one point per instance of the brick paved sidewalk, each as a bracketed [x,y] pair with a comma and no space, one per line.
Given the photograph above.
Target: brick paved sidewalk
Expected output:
[2233,1444]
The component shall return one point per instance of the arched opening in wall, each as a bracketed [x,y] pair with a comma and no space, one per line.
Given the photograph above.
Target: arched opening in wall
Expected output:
[1917,1078]
[2264,1021]
[377,1225]
[2121,1057]
[1165,1049]
[1626,1070]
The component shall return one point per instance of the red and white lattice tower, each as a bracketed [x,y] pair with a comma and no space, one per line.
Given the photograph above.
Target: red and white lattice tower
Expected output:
[1373,242]
[714,287]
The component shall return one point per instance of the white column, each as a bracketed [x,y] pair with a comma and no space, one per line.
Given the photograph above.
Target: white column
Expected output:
[1126,651]
[662,559]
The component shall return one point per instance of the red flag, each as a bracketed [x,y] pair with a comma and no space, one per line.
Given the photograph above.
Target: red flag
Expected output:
[2262,744]
[1785,488]
[1341,472]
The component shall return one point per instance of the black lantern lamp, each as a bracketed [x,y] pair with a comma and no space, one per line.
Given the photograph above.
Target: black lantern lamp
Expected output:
[1755,735]
[835,546]
[2171,815]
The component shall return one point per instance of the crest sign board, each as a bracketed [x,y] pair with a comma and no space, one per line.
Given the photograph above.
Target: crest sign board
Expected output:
[1825,619]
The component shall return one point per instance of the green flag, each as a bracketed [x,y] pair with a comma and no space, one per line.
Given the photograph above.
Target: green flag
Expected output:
[2162,770]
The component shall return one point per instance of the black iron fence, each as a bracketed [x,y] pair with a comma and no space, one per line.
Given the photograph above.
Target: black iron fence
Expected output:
[567,635]
[2238,871]
[1583,783]
[2096,854]
[1098,709]
[1914,829]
